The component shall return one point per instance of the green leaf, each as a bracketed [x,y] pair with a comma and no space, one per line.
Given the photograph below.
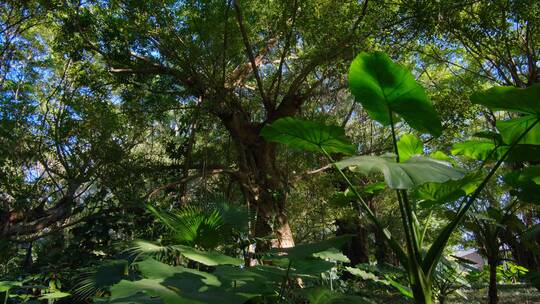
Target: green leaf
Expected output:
[126,290]
[384,87]
[345,198]
[440,155]
[525,153]
[153,269]
[99,279]
[54,295]
[311,267]
[510,99]
[174,285]
[475,149]
[404,290]
[416,171]
[308,136]
[257,280]
[513,128]
[373,188]
[325,296]
[209,258]
[524,184]
[532,173]
[193,226]
[364,275]
[493,136]
[408,146]
[134,299]
[303,251]
[7,285]
[332,254]
[430,194]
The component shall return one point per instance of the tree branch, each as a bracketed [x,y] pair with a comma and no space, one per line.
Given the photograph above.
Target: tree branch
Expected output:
[267,104]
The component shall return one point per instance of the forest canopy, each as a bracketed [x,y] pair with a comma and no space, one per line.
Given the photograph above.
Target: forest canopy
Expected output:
[269,151]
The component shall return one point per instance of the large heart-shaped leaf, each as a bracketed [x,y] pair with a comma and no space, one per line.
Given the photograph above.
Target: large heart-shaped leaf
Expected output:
[408,146]
[153,269]
[525,153]
[210,258]
[310,250]
[524,185]
[174,285]
[416,171]
[308,136]
[514,99]
[510,99]
[130,292]
[532,173]
[512,129]
[257,280]
[431,194]
[478,149]
[383,87]
[332,254]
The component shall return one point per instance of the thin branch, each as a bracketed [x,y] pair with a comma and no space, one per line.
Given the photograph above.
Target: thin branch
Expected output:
[267,104]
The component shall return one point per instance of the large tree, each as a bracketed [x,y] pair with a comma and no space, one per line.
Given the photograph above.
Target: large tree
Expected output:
[246,63]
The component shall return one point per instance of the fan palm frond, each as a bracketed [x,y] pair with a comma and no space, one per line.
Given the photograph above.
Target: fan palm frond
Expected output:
[142,249]
[95,282]
[192,226]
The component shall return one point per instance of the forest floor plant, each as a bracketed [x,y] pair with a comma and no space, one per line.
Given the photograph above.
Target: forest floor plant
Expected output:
[388,92]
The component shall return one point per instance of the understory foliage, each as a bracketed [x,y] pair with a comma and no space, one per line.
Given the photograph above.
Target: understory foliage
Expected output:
[269,151]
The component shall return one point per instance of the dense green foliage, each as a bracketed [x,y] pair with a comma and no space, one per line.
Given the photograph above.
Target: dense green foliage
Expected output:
[275,151]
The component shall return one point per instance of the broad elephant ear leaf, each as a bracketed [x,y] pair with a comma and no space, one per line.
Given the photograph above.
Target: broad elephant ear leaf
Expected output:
[309,250]
[416,171]
[433,194]
[308,136]
[513,128]
[479,149]
[408,146]
[174,285]
[532,173]
[384,87]
[512,99]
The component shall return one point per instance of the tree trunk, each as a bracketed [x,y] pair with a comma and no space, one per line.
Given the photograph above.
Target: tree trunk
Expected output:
[356,249]
[523,255]
[264,188]
[492,292]
[28,262]
[380,247]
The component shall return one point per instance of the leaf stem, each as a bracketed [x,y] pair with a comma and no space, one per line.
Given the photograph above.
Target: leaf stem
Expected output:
[362,205]
[407,219]
[426,225]
[285,280]
[435,251]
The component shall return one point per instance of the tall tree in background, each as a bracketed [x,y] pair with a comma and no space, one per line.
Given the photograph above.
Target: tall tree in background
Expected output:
[246,63]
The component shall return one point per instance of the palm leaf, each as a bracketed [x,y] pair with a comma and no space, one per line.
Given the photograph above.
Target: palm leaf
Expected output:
[96,281]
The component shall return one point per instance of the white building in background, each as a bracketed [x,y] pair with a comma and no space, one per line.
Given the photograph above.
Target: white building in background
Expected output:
[472,255]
